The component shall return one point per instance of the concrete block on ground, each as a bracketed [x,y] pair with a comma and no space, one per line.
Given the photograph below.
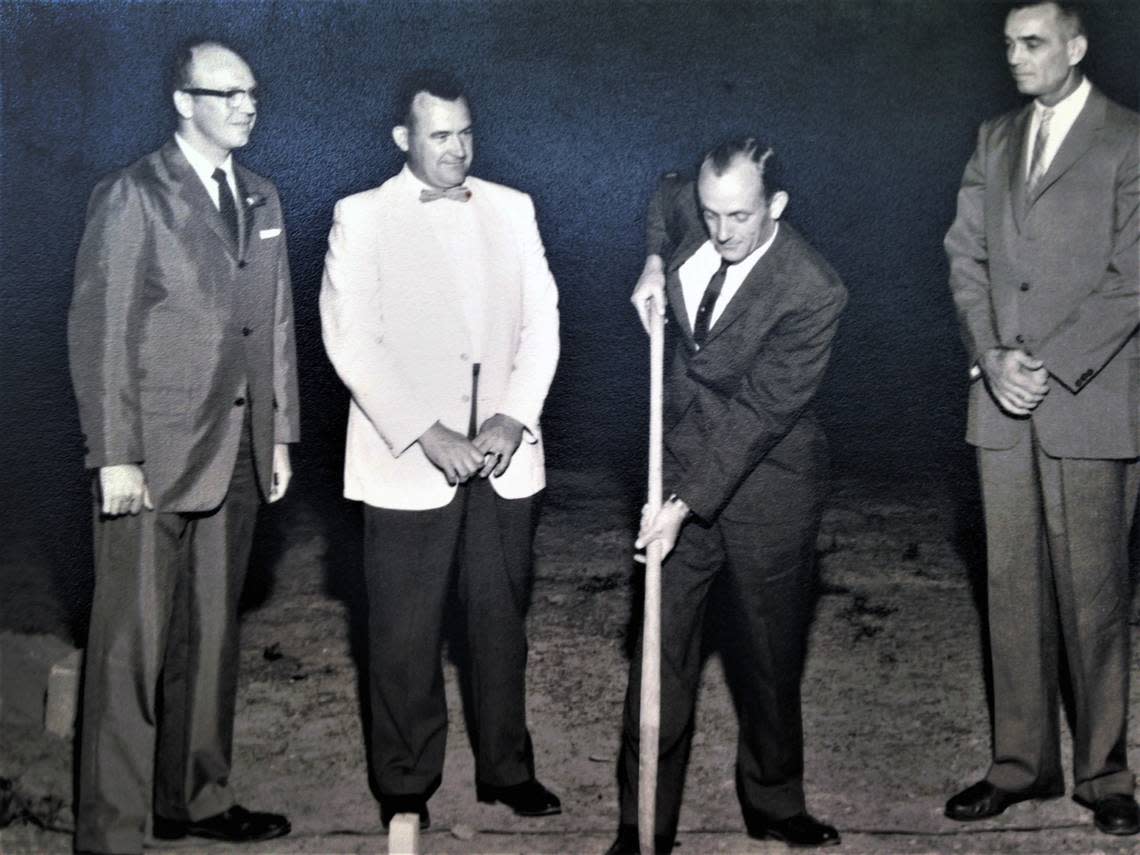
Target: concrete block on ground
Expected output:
[25,663]
[404,834]
[63,695]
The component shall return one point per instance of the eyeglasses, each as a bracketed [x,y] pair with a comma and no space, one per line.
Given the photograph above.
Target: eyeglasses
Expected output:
[234,97]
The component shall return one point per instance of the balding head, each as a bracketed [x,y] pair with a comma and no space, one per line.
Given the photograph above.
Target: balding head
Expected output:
[215,95]
[738,207]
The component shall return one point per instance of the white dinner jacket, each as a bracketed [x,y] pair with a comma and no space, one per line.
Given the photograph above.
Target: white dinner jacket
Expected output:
[394,327]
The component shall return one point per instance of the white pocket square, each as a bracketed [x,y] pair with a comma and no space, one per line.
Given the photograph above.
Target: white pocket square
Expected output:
[265,234]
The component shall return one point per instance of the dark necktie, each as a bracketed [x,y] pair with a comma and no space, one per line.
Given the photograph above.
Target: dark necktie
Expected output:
[226,203]
[708,303]
[455,194]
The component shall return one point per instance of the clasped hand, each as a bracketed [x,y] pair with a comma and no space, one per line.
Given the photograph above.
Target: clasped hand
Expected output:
[123,489]
[460,458]
[1017,381]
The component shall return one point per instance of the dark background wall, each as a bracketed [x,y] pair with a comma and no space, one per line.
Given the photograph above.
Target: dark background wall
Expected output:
[873,106]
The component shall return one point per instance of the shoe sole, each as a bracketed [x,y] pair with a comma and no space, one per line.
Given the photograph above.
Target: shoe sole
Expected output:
[767,835]
[1044,797]
[269,835]
[549,812]
[552,811]
[1116,832]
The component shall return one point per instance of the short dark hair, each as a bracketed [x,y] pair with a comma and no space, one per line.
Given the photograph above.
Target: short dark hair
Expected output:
[182,59]
[1071,14]
[752,149]
[434,81]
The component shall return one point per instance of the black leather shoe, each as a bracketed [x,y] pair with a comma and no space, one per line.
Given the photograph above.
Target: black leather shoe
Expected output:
[983,800]
[1117,814]
[526,799]
[392,805]
[627,843]
[236,825]
[799,830]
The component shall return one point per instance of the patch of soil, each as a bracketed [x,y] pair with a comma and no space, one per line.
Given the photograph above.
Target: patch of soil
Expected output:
[895,712]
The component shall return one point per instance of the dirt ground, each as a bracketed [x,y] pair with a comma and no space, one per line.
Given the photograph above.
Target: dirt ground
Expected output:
[894,692]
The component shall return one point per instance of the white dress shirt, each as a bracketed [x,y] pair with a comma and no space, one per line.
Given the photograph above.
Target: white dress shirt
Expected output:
[1065,113]
[205,170]
[456,227]
[699,269]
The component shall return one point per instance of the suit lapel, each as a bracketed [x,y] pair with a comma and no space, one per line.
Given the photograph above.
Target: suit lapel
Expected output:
[673,291]
[748,289]
[190,189]
[1079,140]
[1015,154]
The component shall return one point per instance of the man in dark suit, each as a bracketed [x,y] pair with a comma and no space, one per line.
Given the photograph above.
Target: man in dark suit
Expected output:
[1043,269]
[752,312]
[182,359]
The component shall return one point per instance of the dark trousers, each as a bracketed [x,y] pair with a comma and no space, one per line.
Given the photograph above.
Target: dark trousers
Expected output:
[163,620]
[1057,542]
[483,543]
[765,558]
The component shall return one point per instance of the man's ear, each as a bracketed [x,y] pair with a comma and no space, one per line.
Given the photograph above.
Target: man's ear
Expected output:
[777,203]
[1077,47]
[400,137]
[184,104]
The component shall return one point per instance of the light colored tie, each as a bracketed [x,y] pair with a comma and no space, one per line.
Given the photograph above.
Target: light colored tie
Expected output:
[1037,160]
[455,194]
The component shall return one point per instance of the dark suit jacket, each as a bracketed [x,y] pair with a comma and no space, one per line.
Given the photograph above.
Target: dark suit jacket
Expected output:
[742,404]
[171,324]
[1056,274]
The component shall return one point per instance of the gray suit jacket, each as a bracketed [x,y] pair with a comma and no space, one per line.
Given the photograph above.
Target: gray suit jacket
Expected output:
[175,331]
[743,401]
[1056,275]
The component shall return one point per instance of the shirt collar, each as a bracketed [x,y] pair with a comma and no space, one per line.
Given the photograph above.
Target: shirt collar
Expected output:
[201,164]
[1069,106]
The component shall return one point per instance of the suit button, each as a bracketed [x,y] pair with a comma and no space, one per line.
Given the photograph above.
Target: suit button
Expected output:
[463,356]
[245,330]
[240,402]
[1019,339]
[1024,286]
[241,265]
[466,399]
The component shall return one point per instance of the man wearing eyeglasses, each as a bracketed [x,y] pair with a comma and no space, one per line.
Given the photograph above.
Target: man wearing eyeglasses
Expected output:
[182,359]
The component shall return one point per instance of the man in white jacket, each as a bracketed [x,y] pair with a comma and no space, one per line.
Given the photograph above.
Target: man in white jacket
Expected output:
[440,315]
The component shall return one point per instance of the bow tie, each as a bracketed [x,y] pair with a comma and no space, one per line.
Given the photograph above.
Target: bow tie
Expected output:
[455,194]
